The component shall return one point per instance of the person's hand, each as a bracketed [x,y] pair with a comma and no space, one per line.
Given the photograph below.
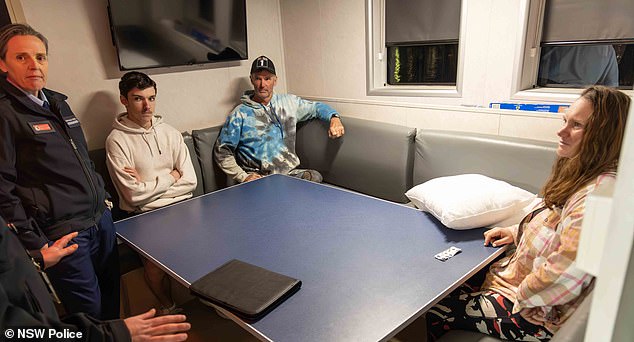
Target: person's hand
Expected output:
[529,313]
[498,236]
[146,327]
[336,129]
[176,174]
[132,172]
[252,176]
[52,254]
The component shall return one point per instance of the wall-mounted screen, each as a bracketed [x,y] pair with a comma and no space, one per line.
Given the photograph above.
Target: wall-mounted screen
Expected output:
[162,33]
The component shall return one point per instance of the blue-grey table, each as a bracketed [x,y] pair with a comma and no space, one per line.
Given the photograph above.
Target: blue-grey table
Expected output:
[367,265]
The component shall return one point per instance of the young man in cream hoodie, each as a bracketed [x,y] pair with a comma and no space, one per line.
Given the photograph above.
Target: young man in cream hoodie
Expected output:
[148,163]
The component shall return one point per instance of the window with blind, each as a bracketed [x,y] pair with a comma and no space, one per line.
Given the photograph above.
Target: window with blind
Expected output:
[587,42]
[421,41]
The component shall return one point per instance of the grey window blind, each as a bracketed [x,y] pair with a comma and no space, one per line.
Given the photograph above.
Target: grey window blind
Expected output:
[588,20]
[419,21]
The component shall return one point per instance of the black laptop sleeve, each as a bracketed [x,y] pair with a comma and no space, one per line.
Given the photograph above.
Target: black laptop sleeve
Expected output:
[247,290]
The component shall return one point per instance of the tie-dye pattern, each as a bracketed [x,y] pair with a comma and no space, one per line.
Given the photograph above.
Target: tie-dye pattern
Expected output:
[259,139]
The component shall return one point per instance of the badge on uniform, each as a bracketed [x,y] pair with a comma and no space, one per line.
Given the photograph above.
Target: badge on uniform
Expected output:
[41,127]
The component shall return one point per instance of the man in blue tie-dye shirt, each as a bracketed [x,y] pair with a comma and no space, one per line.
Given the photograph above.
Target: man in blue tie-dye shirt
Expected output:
[258,137]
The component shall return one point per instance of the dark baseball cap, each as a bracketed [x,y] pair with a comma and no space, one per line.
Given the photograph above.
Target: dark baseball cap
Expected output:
[263,63]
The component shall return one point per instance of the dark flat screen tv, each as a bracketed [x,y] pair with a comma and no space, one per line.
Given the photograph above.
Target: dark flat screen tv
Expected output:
[164,33]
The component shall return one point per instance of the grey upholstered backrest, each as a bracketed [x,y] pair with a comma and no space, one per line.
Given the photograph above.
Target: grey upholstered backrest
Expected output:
[373,158]
[522,162]
[189,141]
[204,139]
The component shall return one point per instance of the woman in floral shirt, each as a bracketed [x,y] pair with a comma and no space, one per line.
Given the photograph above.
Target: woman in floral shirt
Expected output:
[533,290]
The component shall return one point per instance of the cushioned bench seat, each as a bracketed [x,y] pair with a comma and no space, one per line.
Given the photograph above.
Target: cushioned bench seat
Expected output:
[213,178]
[189,141]
[372,158]
[524,163]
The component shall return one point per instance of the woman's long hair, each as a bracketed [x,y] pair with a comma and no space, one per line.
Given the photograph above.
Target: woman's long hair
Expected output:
[599,149]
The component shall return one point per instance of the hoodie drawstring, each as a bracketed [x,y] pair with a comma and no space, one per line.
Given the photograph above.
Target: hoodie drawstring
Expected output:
[273,117]
[158,146]
[147,143]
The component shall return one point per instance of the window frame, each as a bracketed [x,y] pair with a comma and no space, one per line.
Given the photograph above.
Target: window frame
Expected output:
[376,58]
[16,13]
[527,53]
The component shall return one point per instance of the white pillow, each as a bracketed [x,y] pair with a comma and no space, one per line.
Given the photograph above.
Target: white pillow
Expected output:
[519,214]
[469,201]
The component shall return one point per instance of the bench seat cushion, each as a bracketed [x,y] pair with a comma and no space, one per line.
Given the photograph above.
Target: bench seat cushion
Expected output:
[372,158]
[189,141]
[213,178]
[523,163]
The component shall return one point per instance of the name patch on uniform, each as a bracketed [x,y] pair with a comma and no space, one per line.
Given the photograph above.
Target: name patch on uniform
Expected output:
[41,127]
[71,122]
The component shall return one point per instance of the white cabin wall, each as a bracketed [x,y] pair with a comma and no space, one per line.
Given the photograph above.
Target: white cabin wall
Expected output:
[83,65]
[325,55]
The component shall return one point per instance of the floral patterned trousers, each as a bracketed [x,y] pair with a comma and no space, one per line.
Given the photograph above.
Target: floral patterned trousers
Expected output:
[487,312]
